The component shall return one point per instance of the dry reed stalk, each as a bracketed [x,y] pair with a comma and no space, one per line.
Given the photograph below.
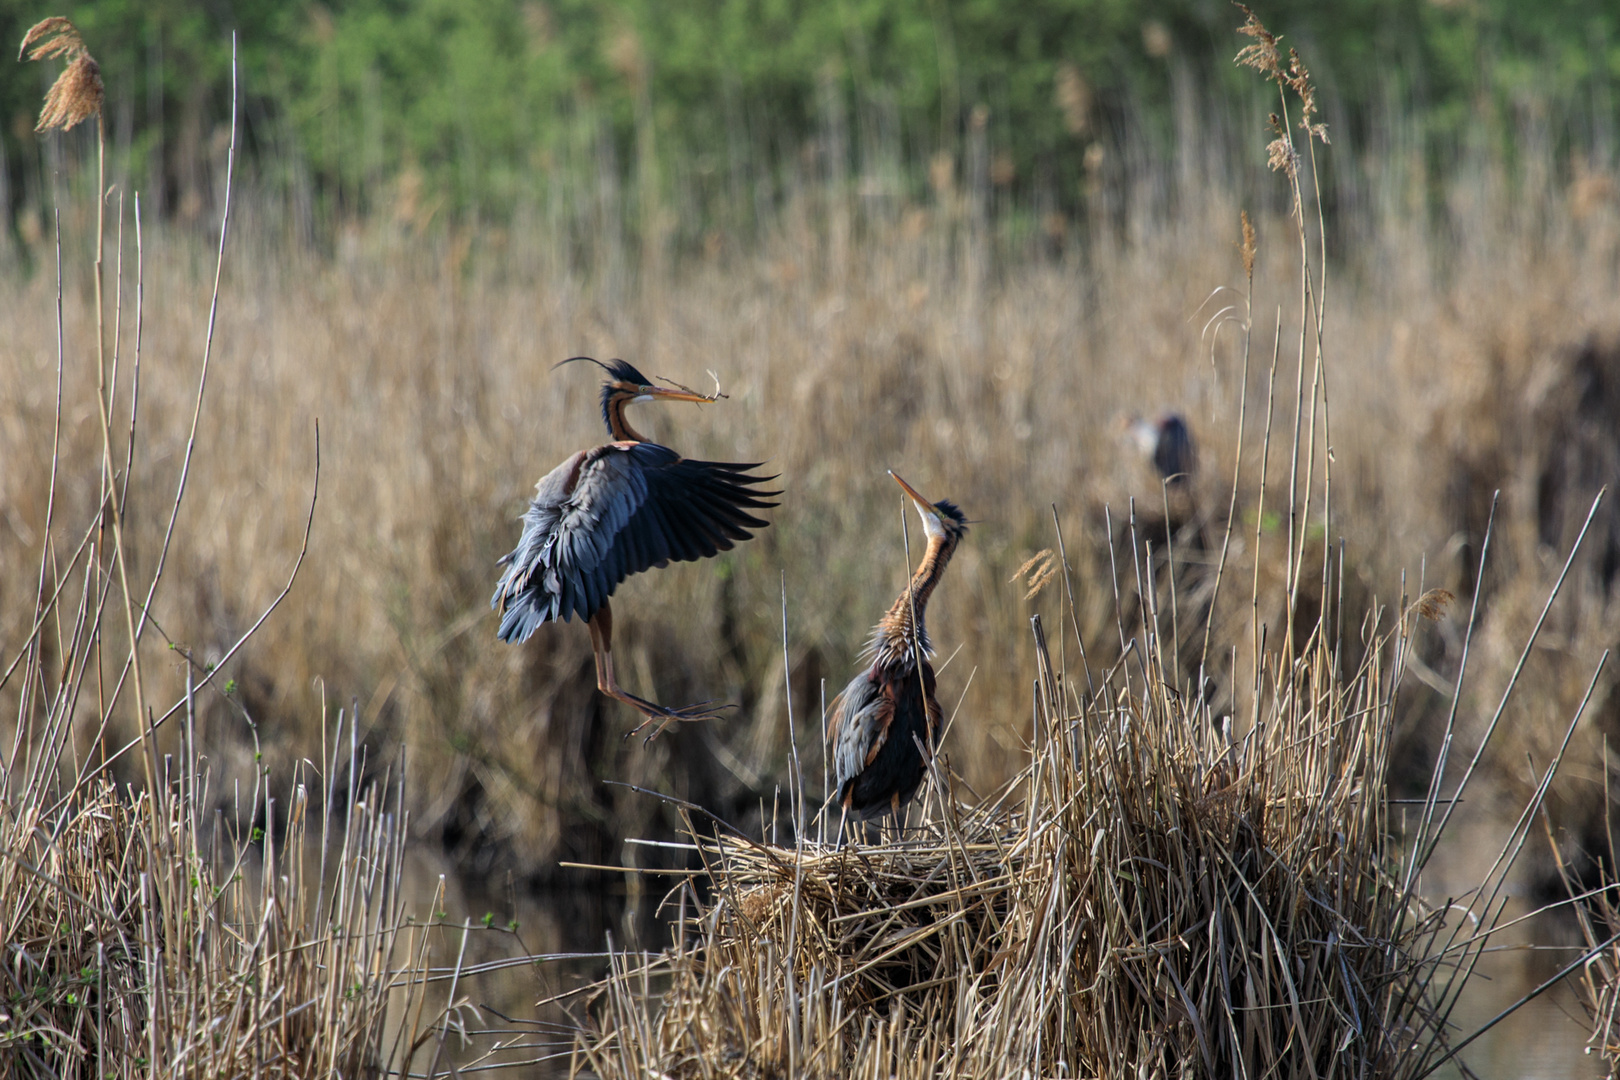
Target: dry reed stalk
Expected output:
[1597,912]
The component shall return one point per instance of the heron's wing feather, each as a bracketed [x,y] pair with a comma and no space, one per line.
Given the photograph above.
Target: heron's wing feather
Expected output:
[617,510]
[690,510]
[917,711]
[556,570]
[862,718]
[885,729]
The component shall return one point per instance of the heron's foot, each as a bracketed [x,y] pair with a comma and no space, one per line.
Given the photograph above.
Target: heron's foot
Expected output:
[663,715]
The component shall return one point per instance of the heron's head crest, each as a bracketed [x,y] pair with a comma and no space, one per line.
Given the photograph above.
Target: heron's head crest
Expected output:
[951,519]
[619,371]
[626,385]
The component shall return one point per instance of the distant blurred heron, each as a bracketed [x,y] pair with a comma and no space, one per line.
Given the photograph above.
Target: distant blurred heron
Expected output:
[616,510]
[887,720]
[1168,443]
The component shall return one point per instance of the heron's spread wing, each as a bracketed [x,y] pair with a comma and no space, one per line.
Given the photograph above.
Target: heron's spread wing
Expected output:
[614,511]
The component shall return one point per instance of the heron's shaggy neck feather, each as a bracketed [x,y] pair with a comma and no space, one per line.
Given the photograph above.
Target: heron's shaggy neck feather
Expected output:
[896,639]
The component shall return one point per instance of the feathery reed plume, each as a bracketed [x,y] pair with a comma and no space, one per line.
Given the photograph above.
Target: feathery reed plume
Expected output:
[77,93]
[1432,604]
[1262,55]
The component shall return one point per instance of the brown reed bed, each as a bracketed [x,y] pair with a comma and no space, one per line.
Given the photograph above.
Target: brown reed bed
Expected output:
[983,367]
[1141,896]
[147,936]
[927,341]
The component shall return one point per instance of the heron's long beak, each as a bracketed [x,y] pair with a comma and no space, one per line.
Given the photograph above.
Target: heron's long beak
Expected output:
[922,504]
[932,525]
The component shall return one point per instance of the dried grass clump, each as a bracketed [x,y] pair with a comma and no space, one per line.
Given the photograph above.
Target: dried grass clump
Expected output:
[1599,982]
[148,934]
[1149,898]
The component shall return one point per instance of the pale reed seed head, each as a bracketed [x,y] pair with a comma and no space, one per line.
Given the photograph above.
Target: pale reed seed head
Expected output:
[75,96]
[1038,570]
[1299,81]
[55,36]
[77,93]
[1262,55]
[1432,604]
[1282,157]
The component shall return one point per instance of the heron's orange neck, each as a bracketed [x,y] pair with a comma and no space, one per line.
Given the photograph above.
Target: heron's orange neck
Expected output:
[895,636]
[618,424]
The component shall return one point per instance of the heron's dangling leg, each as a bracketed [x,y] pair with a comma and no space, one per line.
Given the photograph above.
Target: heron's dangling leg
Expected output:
[601,627]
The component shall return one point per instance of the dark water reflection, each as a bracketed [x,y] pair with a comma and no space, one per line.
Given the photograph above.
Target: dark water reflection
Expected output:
[1545,1039]
[515,999]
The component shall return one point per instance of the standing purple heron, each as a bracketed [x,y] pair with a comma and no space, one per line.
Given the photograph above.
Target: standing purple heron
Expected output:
[887,720]
[1167,442]
[616,510]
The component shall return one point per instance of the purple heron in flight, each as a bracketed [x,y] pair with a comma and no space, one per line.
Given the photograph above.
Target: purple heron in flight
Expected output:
[616,510]
[887,720]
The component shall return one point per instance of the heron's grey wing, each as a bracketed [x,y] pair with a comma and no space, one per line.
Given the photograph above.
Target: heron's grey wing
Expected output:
[614,511]
[693,509]
[682,510]
[860,727]
[569,529]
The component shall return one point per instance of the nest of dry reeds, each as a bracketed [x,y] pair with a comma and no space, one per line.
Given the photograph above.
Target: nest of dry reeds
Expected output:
[1151,897]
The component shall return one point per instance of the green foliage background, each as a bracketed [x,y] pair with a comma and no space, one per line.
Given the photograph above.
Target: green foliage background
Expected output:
[486,102]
